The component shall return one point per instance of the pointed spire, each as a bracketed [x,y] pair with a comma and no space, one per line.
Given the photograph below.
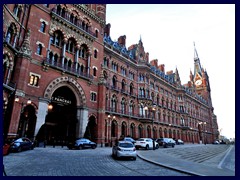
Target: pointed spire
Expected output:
[197,64]
[195,52]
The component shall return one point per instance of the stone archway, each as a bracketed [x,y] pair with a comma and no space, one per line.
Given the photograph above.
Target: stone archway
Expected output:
[73,122]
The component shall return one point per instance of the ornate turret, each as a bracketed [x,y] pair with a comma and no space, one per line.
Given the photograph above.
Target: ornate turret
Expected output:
[177,77]
[25,48]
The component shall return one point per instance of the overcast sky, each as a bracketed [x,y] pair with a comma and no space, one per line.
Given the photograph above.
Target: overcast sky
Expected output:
[168,32]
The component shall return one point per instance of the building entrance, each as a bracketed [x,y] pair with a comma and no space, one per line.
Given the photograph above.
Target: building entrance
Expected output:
[61,120]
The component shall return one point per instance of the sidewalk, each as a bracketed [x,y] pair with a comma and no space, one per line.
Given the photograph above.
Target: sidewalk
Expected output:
[166,160]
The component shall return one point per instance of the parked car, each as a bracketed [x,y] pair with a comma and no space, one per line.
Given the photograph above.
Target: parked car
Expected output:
[179,141]
[129,139]
[146,143]
[216,142]
[21,144]
[82,143]
[124,149]
[166,142]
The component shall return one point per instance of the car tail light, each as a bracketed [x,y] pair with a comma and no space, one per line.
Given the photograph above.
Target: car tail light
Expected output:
[142,142]
[134,149]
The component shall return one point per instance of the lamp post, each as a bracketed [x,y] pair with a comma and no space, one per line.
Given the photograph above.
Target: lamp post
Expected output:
[205,139]
[153,110]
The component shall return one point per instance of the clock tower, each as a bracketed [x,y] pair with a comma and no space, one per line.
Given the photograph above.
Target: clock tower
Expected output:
[200,79]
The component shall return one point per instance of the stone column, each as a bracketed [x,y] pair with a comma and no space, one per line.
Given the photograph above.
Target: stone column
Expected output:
[41,115]
[64,50]
[76,57]
[82,115]
[89,63]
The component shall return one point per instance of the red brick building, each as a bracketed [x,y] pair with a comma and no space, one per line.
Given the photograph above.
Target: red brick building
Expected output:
[65,78]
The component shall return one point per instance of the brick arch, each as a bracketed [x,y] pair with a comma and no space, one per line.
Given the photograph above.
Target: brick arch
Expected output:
[92,115]
[52,30]
[69,82]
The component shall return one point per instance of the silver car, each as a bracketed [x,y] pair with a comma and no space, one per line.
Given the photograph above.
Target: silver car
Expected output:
[124,149]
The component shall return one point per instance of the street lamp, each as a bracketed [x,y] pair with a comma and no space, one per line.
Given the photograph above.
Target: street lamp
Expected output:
[205,132]
[153,110]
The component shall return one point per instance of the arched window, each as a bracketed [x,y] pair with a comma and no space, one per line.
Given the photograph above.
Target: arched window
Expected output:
[59,10]
[131,89]
[43,26]
[95,53]
[11,34]
[96,33]
[141,110]
[114,82]
[140,131]
[131,110]
[70,45]
[17,11]
[132,130]
[123,85]
[83,52]
[124,129]
[114,103]
[56,39]
[148,132]
[39,49]
[72,18]
[82,69]
[55,59]
[113,129]
[94,71]
[123,109]
[50,57]
[105,61]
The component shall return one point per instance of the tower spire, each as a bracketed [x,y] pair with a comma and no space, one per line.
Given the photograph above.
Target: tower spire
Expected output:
[195,53]
[197,64]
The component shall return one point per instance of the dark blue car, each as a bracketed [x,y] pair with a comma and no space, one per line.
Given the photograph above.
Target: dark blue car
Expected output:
[21,144]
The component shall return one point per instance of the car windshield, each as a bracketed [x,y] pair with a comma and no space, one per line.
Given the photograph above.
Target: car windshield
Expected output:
[140,140]
[19,140]
[125,145]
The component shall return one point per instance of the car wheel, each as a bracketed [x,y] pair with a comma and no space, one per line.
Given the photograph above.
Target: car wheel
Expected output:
[157,146]
[172,146]
[94,146]
[134,158]
[147,147]
[19,149]
[80,147]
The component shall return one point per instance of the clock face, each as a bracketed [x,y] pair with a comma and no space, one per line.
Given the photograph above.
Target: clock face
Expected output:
[198,82]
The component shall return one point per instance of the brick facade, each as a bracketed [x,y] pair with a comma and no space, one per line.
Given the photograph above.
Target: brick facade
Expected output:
[54,53]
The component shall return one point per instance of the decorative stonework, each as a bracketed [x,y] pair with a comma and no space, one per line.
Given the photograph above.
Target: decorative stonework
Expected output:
[25,48]
[69,82]
[68,33]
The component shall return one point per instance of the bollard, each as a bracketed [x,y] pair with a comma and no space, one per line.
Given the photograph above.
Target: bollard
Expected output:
[153,145]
